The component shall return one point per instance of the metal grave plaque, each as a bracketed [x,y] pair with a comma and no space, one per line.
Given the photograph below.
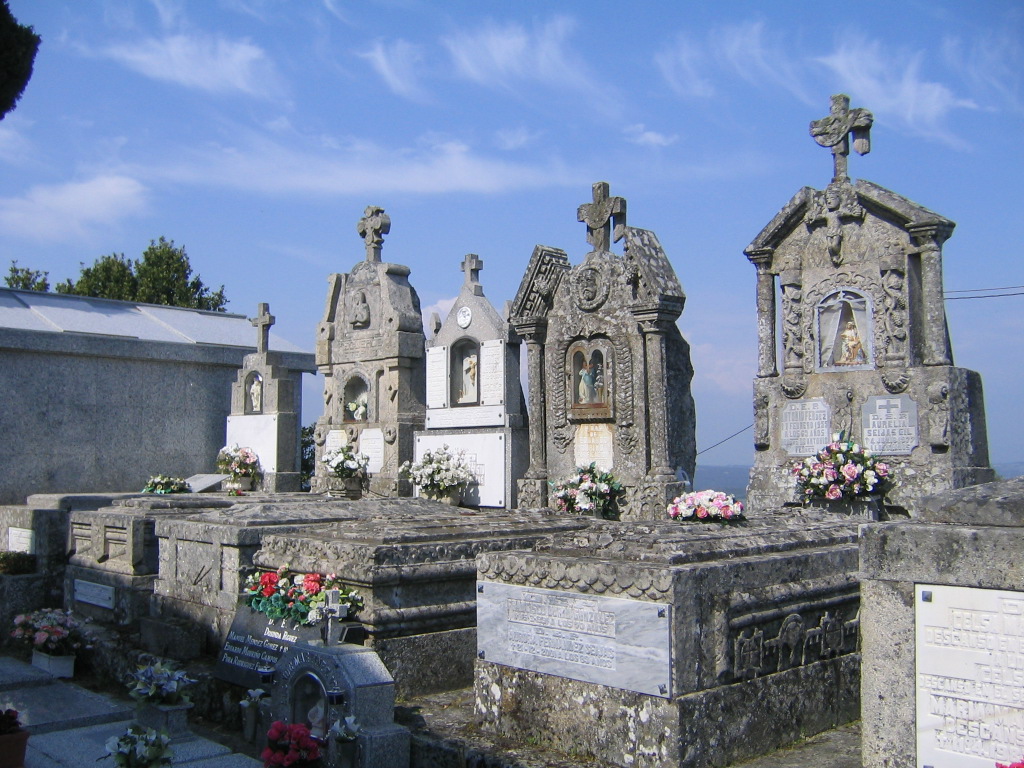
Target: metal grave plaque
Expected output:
[21,540]
[604,640]
[806,426]
[889,424]
[970,676]
[94,594]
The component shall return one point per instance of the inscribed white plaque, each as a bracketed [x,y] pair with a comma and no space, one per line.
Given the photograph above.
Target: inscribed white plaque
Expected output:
[485,455]
[889,424]
[970,676]
[21,540]
[472,416]
[94,594]
[335,439]
[806,426]
[595,444]
[492,372]
[371,443]
[605,640]
[437,377]
[258,432]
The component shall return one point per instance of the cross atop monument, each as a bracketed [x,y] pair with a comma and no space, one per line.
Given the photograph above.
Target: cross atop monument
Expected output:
[472,265]
[262,322]
[599,213]
[372,228]
[833,131]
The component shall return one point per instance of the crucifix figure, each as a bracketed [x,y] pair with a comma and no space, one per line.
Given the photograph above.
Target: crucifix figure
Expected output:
[262,323]
[472,265]
[833,131]
[372,228]
[599,213]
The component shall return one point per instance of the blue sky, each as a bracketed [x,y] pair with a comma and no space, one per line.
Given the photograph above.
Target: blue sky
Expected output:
[255,132]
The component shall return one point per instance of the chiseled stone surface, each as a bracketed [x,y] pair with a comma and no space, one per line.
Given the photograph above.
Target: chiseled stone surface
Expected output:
[609,371]
[864,345]
[764,638]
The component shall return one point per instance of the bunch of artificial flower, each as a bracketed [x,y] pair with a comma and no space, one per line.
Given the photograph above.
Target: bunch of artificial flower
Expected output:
[291,745]
[296,597]
[238,462]
[51,631]
[159,683]
[166,484]
[345,462]
[439,471]
[591,491]
[357,407]
[140,747]
[841,470]
[706,506]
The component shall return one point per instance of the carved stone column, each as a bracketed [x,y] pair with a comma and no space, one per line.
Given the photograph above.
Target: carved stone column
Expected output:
[929,238]
[533,487]
[653,325]
[766,365]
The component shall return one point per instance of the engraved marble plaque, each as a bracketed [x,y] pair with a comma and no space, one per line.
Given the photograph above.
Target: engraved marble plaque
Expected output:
[492,372]
[806,426]
[371,442]
[595,443]
[335,439]
[605,640]
[21,540]
[437,377]
[473,416]
[485,454]
[889,424]
[94,594]
[970,676]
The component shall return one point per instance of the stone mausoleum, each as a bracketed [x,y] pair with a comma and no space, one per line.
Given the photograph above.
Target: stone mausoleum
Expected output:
[852,335]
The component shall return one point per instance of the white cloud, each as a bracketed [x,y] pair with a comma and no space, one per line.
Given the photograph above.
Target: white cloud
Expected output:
[398,65]
[744,49]
[681,65]
[69,212]
[15,149]
[992,65]
[509,139]
[638,134]
[206,63]
[442,307]
[892,84]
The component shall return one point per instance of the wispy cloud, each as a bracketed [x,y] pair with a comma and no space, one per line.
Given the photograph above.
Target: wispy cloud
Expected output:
[72,211]
[510,139]
[15,149]
[638,134]
[683,65]
[442,307]
[992,65]
[213,64]
[746,50]
[892,83]
[398,64]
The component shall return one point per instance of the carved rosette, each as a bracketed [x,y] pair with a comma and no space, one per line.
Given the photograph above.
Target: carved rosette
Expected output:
[895,381]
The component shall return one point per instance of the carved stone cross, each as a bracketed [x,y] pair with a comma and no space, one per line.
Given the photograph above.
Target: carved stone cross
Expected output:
[833,131]
[372,228]
[598,214]
[262,322]
[472,265]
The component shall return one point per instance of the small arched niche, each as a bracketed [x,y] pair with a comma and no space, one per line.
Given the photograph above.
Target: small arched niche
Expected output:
[309,704]
[254,393]
[845,331]
[356,398]
[464,373]
[590,377]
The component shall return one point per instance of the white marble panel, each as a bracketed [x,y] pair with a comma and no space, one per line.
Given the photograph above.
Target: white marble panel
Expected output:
[806,426]
[259,432]
[94,594]
[371,443]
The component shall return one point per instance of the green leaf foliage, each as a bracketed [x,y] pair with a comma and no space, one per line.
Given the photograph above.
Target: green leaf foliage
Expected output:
[26,279]
[18,47]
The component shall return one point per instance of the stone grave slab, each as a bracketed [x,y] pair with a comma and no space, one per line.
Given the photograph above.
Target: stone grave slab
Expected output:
[889,425]
[202,483]
[60,706]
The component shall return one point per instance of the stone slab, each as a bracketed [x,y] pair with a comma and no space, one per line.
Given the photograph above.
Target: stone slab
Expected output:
[371,443]
[17,674]
[485,454]
[61,706]
[202,483]
[806,426]
[611,641]
[999,504]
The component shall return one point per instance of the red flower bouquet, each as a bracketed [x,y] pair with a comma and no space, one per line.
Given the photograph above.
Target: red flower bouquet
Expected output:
[290,745]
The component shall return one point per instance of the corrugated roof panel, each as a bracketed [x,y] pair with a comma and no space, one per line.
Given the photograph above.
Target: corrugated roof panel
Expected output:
[15,314]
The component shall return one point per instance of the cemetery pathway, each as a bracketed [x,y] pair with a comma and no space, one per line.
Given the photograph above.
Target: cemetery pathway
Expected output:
[70,725]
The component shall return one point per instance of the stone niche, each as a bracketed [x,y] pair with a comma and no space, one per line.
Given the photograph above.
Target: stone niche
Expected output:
[474,396]
[370,350]
[609,371]
[414,564]
[641,644]
[852,336]
[942,628]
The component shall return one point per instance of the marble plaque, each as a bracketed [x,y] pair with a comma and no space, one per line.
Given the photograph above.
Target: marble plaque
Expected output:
[473,416]
[371,443]
[485,453]
[94,594]
[200,483]
[806,426]
[437,377]
[889,424]
[970,676]
[335,439]
[492,372]
[258,432]
[604,640]
[254,645]
[595,443]
[21,540]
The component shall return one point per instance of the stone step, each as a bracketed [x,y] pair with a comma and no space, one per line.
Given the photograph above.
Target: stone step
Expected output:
[16,674]
[61,706]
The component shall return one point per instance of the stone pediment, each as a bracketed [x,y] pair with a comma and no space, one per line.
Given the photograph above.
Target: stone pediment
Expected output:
[544,272]
[656,280]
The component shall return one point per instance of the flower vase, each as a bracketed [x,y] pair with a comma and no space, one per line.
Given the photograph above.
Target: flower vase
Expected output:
[348,753]
[238,484]
[345,487]
[12,749]
[866,507]
[58,666]
[172,718]
[249,716]
[453,496]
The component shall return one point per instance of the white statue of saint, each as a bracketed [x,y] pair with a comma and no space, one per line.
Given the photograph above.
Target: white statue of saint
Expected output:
[468,392]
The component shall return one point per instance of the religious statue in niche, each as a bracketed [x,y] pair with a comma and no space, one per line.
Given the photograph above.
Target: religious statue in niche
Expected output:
[465,382]
[357,394]
[360,312]
[255,394]
[309,705]
[590,380]
[844,325]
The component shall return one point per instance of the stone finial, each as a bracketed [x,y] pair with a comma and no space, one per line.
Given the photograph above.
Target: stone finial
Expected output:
[599,213]
[472,265]
[833,131]
[372,228]
[262,323]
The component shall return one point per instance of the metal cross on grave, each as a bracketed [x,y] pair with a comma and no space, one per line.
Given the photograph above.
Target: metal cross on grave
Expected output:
[598,214]
[472,265]
[833,131]
[262,322]
[372,228]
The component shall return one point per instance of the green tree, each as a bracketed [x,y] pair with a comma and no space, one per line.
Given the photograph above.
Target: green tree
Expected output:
[27,279]
[110,277]
[18,46]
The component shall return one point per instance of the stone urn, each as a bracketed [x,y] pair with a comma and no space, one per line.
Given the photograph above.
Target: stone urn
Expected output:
[172,718]
[238,484]
[58,666]
[452,496]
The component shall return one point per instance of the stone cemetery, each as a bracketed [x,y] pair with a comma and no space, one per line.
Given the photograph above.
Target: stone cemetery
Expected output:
[622,639]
